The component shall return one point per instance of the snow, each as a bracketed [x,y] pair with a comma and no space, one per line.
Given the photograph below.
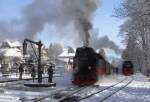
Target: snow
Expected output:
[16,44]
[17,90]
[65,56]
[137,91]
[10,52]
[7,98]
[11,44]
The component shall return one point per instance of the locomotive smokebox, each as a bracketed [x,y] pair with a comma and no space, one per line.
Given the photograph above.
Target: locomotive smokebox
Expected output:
[85,57]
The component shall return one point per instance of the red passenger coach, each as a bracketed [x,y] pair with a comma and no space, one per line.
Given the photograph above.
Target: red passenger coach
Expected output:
[101,67]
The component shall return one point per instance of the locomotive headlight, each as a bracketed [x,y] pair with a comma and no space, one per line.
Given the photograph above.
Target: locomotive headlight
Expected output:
[89,67]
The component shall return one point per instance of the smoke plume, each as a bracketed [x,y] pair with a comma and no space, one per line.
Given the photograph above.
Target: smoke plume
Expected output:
[71,18]
[58,13]
[103,42]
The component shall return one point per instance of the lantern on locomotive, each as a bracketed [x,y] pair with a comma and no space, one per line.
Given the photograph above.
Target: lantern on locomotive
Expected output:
[85,64]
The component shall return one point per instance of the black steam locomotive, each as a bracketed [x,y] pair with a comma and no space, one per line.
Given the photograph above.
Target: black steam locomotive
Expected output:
[86,66]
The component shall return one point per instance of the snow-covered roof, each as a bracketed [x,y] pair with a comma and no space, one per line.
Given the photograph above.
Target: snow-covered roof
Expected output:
[11,44]
[10,52]
[64,59]
[65,54]
[16,44]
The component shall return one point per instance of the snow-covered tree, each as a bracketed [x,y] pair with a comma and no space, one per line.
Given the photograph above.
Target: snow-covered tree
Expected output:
[136,30]
[54,50]
[70,49]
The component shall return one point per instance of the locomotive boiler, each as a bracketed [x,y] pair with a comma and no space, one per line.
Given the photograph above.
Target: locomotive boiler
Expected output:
[87,65]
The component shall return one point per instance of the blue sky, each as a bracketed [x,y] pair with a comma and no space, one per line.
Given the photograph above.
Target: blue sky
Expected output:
[103,19]
[106,23]
[11,9]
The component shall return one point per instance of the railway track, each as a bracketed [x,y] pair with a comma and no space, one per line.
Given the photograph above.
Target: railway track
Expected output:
[117,90]
[111,90]
[76,94]
[62,94]
[83,95]
[57,94]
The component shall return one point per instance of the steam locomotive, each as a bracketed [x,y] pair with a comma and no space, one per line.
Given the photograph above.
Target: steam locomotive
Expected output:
[127,68]
[87,66]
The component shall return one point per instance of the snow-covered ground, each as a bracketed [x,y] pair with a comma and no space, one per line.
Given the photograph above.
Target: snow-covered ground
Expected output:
[137,91]
[16,91]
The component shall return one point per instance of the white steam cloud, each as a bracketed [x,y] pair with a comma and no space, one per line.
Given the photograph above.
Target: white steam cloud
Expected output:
[71,14]
[58,13]
[103,42]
